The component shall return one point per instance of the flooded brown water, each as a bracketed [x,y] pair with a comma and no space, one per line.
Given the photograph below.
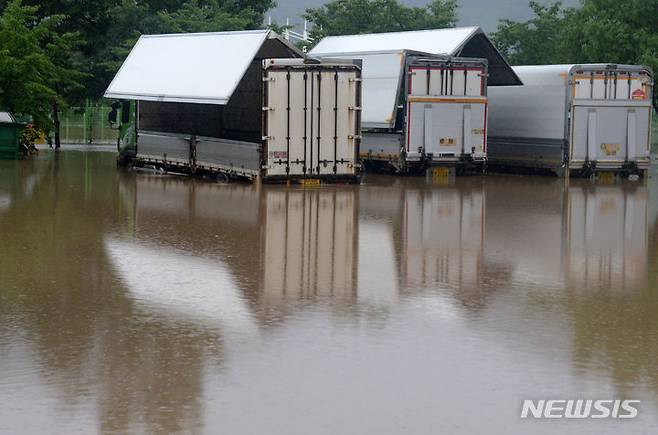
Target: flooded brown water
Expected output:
[133,303]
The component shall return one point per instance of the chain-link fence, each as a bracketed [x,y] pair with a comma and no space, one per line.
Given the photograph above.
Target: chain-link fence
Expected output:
[87,125]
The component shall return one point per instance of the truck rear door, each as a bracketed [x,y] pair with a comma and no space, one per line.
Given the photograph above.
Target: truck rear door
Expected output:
[447,109]
[311,120]
[610,116]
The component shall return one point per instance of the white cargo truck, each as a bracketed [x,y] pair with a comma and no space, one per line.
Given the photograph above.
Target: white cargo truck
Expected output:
[573,119]
[239,105]
[424,95]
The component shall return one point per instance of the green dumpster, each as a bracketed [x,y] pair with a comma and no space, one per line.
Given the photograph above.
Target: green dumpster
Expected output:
[10,133]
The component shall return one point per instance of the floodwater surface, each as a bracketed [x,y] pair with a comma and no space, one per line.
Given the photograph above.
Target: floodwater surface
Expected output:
[139,303]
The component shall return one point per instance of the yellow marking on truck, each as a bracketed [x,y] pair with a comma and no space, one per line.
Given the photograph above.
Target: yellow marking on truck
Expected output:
[309,181]
[447,100]
[600,77]
[605,177]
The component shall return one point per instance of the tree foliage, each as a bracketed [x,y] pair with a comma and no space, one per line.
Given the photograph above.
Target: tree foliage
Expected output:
[107,28]
[540,40]
[35,55]
[346,17]
[606,31]
[132,19]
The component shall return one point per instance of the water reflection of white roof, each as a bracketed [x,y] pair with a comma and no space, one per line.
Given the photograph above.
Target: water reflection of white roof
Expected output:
[189,288]
[5,201]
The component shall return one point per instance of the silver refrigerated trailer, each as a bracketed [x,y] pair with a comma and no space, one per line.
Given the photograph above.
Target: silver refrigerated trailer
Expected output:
[573,119]
[424,95]
[241,105]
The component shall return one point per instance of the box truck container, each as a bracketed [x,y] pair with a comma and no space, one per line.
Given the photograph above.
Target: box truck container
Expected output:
[424,95]
[254,109]
[574,119]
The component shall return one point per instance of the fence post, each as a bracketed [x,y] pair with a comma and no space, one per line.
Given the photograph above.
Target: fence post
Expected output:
[100,118]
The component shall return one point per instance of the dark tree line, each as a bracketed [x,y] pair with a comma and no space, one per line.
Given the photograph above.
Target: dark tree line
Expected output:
[598,31]
[59,52]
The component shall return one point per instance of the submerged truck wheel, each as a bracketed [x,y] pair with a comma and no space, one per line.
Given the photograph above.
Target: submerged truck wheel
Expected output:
[222,178]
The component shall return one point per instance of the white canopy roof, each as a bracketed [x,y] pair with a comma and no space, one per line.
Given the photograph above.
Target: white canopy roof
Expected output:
[187,67]
[438,41]
[382,56]
[381,72]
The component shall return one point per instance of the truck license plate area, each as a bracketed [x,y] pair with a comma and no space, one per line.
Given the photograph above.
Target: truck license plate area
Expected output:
[309,182]
[605,177]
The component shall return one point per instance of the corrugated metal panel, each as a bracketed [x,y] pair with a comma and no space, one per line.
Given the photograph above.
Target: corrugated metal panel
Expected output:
[187,68]
[312,126]
[438,41]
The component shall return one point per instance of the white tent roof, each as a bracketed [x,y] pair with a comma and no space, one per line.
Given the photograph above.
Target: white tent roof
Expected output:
[188,67]
[469,42]
[381,72]
[438,41]
[382,56]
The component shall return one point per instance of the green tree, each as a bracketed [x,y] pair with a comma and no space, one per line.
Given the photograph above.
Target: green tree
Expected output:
[345,17]
[540,40]
[34,54]
[606,31]
[106,27]
[620,32]
[132,19]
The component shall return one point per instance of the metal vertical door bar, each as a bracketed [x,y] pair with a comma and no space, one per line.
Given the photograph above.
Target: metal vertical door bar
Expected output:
[305,117]
[466,133]
[319,118]
[452,81]
[310,163]
[427,142]
[288,122]
[335,121]
[631,137]
[591,135]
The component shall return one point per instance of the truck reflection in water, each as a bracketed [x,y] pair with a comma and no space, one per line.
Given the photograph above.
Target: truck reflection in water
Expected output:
[274,245]
[436,237]
[607,243]
[281,245]
[576,235]
[132,301]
